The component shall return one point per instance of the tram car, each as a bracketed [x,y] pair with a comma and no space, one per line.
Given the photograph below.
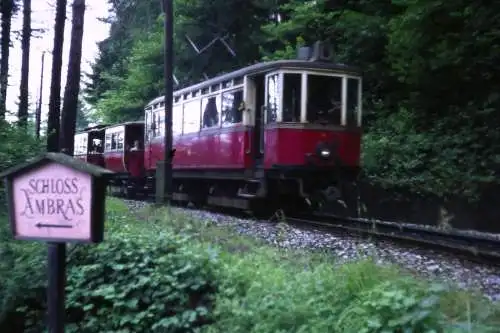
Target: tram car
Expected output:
[286,131]
[89,145]
[124,154]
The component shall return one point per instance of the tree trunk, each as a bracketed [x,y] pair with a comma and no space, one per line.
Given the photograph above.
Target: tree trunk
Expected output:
[7,9]
[25,66]
[72,90]
[38,114]
[55,84]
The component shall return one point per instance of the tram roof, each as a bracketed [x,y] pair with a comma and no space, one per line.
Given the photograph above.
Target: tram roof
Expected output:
[264,67]
[138,122]
[92,128]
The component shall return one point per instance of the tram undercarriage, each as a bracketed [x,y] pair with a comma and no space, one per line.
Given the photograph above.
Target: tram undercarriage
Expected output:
[291,193]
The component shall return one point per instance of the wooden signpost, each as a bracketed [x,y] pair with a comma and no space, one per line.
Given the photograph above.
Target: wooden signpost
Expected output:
[56,199]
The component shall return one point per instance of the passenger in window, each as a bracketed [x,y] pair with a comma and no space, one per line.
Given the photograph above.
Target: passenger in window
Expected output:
[230,104]
[237,114]
[210,115]
[136,146]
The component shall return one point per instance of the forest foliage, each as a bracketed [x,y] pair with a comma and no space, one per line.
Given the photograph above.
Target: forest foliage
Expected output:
[430,70]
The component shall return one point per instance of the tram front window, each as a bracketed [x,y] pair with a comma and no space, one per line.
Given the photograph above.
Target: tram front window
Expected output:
[96,146]
[291,97]
[324,102]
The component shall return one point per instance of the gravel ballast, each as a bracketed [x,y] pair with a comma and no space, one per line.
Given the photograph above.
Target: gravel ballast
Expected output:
[426,263]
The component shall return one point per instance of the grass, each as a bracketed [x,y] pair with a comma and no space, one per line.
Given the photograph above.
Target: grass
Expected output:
[238,284]
[266,289]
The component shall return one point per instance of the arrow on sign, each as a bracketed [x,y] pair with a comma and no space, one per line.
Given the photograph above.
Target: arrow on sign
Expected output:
[43,225]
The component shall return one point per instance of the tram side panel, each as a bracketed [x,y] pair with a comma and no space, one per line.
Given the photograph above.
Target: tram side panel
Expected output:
[214,149]
[301,147]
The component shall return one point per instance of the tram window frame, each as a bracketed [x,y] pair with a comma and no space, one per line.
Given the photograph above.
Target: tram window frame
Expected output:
[160,122]
[193,109]
[353,101]
[107,142]
[112,138]
[113,141]
[235,108]
[272,113]
[84,144]
[155,120]
[325,107]
[218,107]
[91,147]
[177,122]
[287,94]
[78,145]
[75,146]
[147,126]
[120,140]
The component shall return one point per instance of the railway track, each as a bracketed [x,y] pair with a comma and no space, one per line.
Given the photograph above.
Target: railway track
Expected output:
[475,248]
[480,249]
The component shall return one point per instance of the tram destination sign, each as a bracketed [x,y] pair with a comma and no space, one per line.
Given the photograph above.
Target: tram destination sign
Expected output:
[56,198]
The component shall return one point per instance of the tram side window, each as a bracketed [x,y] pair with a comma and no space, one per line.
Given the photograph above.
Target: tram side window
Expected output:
[191,117]
[352,101]
[156,124]
[231,104]
[119,140]
[177,120]
[108,142]
[76,147]
[210,108]
[160,123]
[80,146]
[291,97]
[83,145]
[149,126]
[96,146]
[273,98]
[113,141]
[324,102]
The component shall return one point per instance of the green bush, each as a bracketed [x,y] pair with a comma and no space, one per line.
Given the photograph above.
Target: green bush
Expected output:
[23,277]
[444,158]
[16,146]
[358,297]
[137,284]
[261,292]
[140,279]
[22,263]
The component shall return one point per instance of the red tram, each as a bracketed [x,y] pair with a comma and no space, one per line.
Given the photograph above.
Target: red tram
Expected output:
[123,154]
[287,130]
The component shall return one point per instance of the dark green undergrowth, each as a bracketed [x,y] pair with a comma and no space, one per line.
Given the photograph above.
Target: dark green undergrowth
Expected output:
[161,271]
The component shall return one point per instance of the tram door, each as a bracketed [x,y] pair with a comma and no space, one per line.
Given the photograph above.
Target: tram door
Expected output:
[258,137]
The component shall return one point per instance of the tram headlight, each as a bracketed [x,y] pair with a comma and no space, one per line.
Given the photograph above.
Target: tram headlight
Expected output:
[325,153]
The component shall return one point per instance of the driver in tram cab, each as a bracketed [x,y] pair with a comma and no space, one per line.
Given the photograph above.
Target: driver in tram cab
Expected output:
[136,146]
[335,111]
[95,148]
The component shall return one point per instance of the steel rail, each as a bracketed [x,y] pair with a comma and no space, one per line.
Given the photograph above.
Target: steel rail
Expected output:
[475,248]
[480,249]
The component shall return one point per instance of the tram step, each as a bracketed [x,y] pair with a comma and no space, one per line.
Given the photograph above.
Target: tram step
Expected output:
[247,195]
